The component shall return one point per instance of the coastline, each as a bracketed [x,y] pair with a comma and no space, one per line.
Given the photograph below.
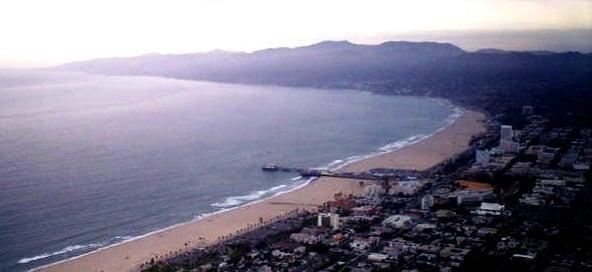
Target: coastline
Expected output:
[420,154]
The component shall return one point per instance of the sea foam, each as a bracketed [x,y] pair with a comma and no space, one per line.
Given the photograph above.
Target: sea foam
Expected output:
[73,248]
[238,200]
[60,252]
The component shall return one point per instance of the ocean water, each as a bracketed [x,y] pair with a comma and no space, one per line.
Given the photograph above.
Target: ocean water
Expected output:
[88,161]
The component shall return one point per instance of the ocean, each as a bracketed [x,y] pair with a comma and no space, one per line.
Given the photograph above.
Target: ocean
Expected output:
[87,161]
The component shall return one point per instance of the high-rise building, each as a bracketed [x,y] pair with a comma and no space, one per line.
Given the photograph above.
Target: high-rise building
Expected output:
[507,143]
[506,133]
[328,220]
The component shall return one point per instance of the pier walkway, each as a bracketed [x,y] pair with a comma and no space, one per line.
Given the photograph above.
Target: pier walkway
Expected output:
[377,174]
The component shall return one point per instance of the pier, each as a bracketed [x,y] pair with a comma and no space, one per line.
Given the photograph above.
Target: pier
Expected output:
[374,174]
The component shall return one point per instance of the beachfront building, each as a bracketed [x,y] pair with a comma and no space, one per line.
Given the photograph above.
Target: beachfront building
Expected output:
[328,220]
[407,187]
[374,191]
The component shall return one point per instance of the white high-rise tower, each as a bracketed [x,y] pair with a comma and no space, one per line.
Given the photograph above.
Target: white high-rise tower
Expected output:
[506,133]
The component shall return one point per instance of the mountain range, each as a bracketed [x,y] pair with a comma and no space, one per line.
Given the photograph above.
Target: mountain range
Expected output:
[440,69]
[332,63]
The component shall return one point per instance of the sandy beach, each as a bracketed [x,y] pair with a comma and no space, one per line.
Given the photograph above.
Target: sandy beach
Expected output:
[128,256]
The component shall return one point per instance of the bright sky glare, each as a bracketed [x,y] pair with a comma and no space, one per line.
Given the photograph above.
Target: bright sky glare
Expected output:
[37,32]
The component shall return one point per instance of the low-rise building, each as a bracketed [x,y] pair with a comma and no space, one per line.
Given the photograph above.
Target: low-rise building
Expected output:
[398,221]
[487,208]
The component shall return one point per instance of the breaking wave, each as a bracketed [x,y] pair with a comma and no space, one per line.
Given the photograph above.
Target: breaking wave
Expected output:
[238,200]
[73,248]
[60,252]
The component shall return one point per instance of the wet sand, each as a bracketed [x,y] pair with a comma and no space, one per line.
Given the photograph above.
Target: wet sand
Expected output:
[128,256]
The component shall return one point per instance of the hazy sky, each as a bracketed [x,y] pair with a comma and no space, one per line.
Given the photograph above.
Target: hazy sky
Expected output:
[46,32]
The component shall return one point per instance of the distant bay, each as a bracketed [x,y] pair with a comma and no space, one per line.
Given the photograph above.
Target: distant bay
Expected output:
[87,161]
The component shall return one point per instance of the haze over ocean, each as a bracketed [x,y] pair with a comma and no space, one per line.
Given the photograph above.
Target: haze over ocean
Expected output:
[87,161]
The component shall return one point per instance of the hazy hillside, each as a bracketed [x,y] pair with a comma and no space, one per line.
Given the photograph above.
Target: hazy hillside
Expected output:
[335,63]
[480,78]
[318,64]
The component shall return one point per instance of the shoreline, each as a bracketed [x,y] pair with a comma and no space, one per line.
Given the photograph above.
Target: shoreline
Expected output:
[391,147]
[419,154]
